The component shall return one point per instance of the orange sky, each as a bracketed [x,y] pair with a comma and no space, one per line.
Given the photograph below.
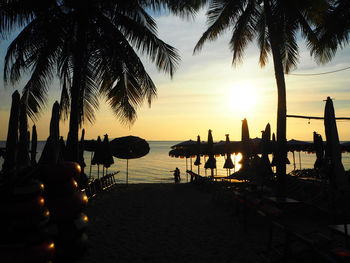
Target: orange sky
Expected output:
[208,93]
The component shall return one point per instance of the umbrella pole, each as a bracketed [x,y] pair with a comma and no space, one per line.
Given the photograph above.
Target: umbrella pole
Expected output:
[186,164]
[90,164]
[98,171]
[127,171]
[299,161]
[205,170]
[191,170]
[294,160]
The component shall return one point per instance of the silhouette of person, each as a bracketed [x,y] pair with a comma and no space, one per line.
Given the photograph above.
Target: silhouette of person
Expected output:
[177,177]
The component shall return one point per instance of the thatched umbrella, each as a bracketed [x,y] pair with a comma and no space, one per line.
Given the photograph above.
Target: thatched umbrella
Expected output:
[184,149]
[333,150]
[129,147]
[297,145]
[34,145]
[184,144]
[228,162]
[211,162]
[12,135]
[107,154]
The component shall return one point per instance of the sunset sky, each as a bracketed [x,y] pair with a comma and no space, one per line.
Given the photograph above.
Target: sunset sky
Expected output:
[206,92]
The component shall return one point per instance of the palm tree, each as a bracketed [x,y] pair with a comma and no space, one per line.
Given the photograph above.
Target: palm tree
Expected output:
[275,24]
[91,46]
[333,31]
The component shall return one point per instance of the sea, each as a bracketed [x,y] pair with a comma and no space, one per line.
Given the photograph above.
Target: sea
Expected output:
[157,166]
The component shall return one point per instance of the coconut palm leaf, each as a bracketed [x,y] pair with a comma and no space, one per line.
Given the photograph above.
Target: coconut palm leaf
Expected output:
[220,16]
[333,31]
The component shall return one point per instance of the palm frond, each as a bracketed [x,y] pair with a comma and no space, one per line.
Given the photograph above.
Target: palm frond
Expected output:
[244,32]
[220,16]
[164,56]
[183,8]
[263,40]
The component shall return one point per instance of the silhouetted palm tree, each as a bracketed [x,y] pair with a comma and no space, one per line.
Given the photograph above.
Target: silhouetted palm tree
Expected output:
[333,30]
[275,24]
[91,46]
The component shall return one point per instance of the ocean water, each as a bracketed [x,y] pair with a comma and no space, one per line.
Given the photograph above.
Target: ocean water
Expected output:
[157,165]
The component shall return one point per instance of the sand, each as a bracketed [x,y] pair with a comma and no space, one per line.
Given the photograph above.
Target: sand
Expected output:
[168,223]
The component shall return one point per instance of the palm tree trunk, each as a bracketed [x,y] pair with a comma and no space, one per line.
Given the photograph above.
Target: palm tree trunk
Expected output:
[281,153]
[76,92]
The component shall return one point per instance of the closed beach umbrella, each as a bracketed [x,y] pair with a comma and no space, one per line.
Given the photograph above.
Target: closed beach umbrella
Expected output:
[98,155]
[129,147]
[10,159]
[319,149]
[211,162]
[107,154]
[273,143]
[333,151]
[51,151]
[81,151]
[265,165]
[245,143]
[266,140]
[198,157]
[245,130]
[63,151]
[228,162]
[23,143]
[34,145]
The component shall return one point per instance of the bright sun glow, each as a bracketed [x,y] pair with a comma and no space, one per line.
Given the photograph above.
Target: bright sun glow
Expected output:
[242,97]
[236,160]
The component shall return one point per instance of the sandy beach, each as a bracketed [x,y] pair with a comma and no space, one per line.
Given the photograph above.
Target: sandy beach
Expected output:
[167,223]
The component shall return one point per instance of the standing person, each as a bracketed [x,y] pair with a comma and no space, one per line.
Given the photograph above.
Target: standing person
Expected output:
[176,175]
[178,178]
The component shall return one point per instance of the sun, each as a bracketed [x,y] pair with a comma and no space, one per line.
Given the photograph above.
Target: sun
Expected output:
[243,98]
